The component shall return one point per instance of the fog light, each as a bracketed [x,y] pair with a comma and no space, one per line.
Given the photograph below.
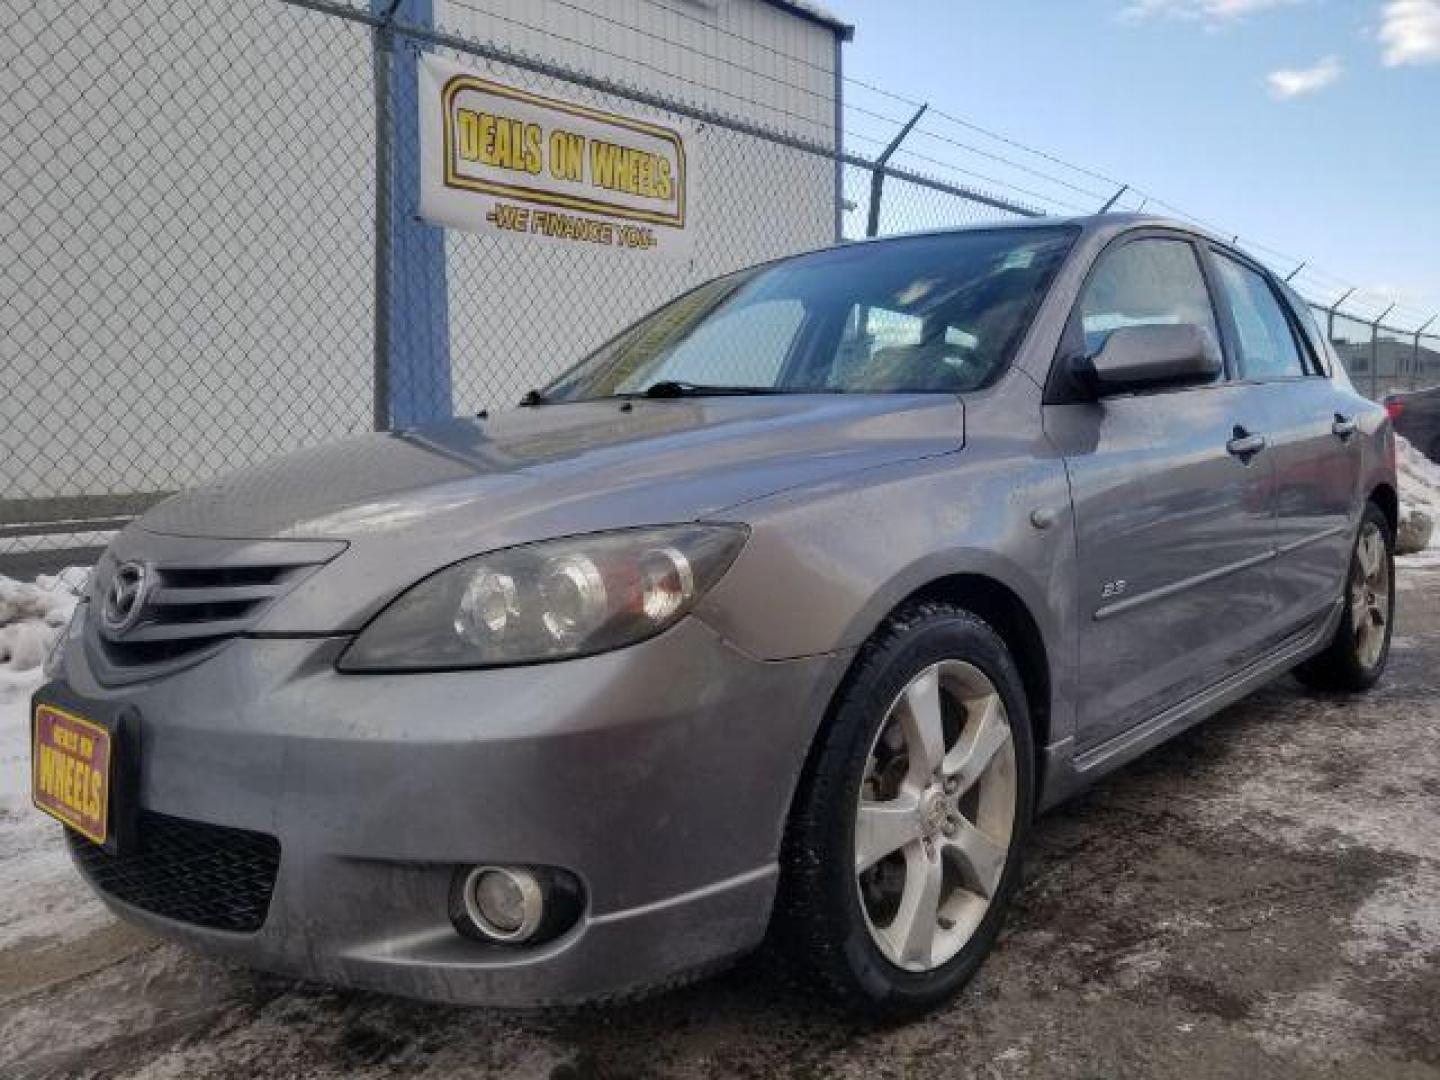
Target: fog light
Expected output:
[504,904]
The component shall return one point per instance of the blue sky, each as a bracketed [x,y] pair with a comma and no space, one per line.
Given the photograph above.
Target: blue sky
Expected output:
[1311,127]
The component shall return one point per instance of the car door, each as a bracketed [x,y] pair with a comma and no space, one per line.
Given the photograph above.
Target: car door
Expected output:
[1172,494]
[1313,440]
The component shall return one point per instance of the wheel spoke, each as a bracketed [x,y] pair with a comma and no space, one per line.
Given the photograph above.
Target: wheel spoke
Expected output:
[980,859]
[912,934]
[920,720]
[985,733]
[1369,555]
[885,827]
[1358,611]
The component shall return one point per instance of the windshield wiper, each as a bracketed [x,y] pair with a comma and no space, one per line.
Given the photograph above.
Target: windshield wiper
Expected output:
[672,388]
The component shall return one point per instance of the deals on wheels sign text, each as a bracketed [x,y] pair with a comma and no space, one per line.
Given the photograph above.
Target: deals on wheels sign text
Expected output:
[498,159]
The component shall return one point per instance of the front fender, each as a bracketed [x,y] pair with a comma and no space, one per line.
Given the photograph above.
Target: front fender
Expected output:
[825,566]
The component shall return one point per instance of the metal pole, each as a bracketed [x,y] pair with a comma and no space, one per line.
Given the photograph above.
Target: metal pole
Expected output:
[877,173]
[1113,199]
[1330,319]
[1415,353]
[1375,354]
[839,142]
[384,49]
[1291,276]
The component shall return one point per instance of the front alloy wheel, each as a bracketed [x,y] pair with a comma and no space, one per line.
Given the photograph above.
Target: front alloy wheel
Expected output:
[935,815]
[904,840]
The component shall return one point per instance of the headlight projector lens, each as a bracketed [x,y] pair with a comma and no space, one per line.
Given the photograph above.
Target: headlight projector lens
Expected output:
[486,607]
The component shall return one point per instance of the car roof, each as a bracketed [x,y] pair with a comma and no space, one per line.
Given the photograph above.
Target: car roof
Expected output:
[1098,228]
[1110,223]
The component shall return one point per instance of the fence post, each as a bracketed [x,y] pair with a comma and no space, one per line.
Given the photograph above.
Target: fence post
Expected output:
[877,172]
[1330,321]
[1330,318]
[839,141]
[1415,352]
[1375,354]
[412,326]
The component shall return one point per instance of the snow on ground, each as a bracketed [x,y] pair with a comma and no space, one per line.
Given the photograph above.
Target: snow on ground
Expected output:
[43,897]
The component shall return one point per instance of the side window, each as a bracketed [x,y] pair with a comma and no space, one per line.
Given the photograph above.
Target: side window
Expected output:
[744,347]
[1268,349]
[1143,283]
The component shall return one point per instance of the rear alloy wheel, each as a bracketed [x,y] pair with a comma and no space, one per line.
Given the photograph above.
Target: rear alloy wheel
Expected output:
[904,842]
[1357,655]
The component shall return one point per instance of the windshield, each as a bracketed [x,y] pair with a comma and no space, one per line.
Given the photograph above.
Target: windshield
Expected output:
[939,313]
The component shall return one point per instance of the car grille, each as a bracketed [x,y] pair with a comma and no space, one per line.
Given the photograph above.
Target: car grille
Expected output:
[198,596]
[208,875]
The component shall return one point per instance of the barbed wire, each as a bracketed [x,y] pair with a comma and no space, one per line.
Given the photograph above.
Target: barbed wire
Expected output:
[1282,263]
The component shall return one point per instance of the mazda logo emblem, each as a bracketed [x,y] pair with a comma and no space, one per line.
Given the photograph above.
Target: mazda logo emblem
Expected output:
[124,598]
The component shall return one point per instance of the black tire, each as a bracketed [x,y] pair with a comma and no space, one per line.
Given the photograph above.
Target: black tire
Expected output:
[1341,667]
[819,921]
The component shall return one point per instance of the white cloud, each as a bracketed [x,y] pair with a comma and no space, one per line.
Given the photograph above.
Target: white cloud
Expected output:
[1211,11]
[1296,82]
[1410,32]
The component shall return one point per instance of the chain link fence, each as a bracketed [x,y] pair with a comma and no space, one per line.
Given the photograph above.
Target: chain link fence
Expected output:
[198,267]
[185,250]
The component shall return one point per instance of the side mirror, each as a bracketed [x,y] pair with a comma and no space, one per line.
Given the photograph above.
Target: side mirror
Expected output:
[1151,357]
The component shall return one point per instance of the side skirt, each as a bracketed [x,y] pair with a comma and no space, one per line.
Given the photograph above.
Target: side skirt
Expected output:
[1065,773]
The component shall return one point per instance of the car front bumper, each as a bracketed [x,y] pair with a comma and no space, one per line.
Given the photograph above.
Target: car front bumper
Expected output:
[660,775]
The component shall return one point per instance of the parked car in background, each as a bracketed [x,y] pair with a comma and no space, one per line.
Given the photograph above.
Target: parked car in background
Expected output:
[783,612]
[1416,416]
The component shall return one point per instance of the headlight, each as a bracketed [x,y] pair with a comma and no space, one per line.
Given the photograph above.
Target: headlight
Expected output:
[548,601]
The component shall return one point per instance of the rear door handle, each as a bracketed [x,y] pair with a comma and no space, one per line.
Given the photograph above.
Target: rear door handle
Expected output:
[1244,445]
[1343,427]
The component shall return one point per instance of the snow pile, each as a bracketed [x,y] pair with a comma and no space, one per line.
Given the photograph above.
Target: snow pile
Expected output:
[32,616]
[41,901]
[1419,479]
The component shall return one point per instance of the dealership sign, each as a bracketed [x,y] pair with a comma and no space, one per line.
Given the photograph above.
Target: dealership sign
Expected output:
[496,159]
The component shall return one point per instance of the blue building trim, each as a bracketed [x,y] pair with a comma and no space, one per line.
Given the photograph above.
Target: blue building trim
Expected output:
[417,331]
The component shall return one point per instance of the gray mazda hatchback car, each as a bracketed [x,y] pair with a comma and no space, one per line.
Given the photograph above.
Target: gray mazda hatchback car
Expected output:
[780,615]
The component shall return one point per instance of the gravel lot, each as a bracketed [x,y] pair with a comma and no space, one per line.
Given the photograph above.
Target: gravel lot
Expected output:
[1261,897]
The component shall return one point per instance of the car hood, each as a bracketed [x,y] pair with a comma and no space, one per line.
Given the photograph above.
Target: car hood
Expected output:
[410,502]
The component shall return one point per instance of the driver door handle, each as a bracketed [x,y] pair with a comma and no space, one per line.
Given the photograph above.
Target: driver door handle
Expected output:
[1343,427]
[1244,445]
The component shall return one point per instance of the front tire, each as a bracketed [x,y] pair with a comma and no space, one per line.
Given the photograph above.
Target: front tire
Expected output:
[904,842]
[1357,654]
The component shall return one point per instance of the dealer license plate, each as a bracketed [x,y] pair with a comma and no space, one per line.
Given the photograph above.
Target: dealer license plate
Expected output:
[71,768]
